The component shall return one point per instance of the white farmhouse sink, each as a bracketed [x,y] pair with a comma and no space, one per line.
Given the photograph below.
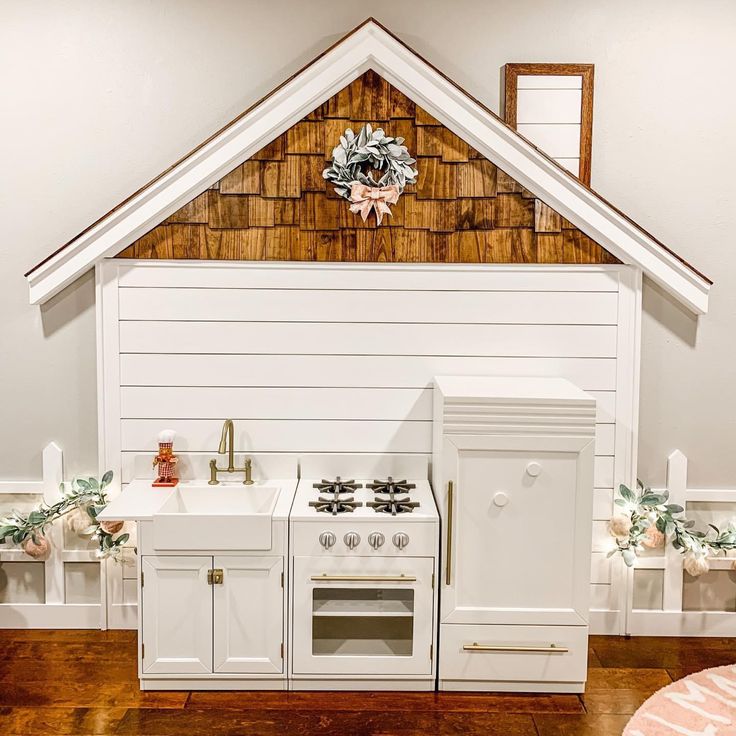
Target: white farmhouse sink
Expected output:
[223,517]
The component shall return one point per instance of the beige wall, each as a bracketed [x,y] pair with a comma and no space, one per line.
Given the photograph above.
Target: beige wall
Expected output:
[98,97]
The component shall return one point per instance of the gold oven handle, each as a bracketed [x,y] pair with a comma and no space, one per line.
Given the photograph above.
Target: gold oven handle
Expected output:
[325,578]
[551,649]
[448,558]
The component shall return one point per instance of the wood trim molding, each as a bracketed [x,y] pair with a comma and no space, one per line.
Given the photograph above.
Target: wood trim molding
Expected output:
[586,71]
[372,47]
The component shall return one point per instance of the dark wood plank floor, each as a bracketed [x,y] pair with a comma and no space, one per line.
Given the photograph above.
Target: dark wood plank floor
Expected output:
[84,682]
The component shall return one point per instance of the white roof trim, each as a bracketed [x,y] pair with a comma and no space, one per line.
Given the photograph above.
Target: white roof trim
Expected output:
[370,47]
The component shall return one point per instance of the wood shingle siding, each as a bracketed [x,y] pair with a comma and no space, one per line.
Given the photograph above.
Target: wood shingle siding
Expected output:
[277,206]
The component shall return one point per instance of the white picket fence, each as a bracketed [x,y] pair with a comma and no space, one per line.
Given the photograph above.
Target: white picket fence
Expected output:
[59,606]
[66,600]
[671,619]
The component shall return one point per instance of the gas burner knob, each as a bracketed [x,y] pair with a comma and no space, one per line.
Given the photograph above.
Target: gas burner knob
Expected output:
[401,540]
[376,539]
[352,540]
[327,539]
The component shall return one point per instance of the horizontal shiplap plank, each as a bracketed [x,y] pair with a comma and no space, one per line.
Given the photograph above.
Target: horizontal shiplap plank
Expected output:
[549,81]
[555,140]
[150,402]
[290,305]
[548,106]
[166,405]
[202,402]
[377,277]
[591,374]
[343,338]
[272,435]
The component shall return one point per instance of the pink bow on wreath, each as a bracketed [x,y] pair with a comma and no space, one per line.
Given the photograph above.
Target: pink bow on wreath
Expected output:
[367,198]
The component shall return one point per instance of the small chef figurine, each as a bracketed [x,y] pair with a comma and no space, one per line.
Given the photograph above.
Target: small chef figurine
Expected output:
[166,460]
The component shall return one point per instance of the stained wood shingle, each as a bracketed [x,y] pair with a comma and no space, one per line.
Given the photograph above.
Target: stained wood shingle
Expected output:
[277,205]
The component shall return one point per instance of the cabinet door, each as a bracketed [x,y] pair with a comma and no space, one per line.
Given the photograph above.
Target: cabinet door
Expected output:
[249,607]
[176,623]
[520,533]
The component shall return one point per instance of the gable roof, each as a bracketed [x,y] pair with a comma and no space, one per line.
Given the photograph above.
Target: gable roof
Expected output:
[370,46]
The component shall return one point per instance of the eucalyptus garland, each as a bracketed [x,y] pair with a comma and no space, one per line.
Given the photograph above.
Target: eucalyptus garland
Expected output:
[648,521]
[358,156]
[86,497]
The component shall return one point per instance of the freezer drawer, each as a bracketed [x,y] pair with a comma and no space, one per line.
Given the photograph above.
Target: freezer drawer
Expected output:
[513,653]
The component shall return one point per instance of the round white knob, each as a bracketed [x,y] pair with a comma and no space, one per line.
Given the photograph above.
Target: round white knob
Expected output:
[352,540]
[401,540]
[327,539]
[376,539]
[533,469]
[501,498]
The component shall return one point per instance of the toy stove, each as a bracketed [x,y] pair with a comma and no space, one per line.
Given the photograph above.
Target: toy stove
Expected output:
[364,542]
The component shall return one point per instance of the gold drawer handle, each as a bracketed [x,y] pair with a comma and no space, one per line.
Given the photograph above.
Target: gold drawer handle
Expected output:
[551,649]
[325,578]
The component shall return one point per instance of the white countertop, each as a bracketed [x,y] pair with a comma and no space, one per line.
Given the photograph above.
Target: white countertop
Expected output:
[139,501]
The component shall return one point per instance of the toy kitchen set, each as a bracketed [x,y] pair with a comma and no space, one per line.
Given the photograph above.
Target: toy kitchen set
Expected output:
[427,335]
[353,574]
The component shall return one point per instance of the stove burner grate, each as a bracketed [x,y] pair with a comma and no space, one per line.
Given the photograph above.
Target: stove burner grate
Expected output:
[392,505]
[337,486]
[335,505]
[390,486]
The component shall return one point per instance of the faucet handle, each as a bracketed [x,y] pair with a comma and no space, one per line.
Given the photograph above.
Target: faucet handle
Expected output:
[248,472]
[213,473]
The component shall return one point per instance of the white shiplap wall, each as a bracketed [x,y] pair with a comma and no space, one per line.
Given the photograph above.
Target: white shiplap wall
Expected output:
[340,358]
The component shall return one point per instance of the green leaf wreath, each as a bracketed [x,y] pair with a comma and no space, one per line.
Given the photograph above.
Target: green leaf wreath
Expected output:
[357,156]
[85,498]
[647,521]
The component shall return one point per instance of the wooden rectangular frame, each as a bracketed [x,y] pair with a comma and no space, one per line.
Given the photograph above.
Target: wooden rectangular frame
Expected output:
[513,71]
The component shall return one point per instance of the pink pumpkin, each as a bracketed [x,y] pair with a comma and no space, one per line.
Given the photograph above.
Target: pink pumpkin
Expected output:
[111,527]
[39,550]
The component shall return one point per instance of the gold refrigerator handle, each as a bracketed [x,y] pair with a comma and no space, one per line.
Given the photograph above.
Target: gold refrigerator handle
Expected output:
[448,556]
[325,578]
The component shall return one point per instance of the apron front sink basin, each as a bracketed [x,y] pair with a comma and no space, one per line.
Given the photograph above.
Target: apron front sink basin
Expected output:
[223,517]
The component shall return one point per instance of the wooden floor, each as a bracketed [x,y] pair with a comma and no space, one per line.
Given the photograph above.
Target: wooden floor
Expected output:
[84,682]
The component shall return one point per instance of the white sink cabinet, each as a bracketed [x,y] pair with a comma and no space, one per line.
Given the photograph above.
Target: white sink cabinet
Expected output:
[196,627]
[513,474]
[211,606]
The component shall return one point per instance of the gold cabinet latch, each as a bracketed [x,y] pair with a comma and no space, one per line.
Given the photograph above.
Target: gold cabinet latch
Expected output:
[216,576]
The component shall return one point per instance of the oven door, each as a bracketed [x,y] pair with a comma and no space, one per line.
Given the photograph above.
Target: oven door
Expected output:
[362,616]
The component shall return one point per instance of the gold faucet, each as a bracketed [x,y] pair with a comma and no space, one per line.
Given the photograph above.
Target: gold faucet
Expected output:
[226,445]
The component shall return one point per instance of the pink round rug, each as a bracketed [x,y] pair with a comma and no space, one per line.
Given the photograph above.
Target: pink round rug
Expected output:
[703,704]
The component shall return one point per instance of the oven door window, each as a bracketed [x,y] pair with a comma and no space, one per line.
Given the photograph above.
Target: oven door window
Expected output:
[362,622]
[368,616]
